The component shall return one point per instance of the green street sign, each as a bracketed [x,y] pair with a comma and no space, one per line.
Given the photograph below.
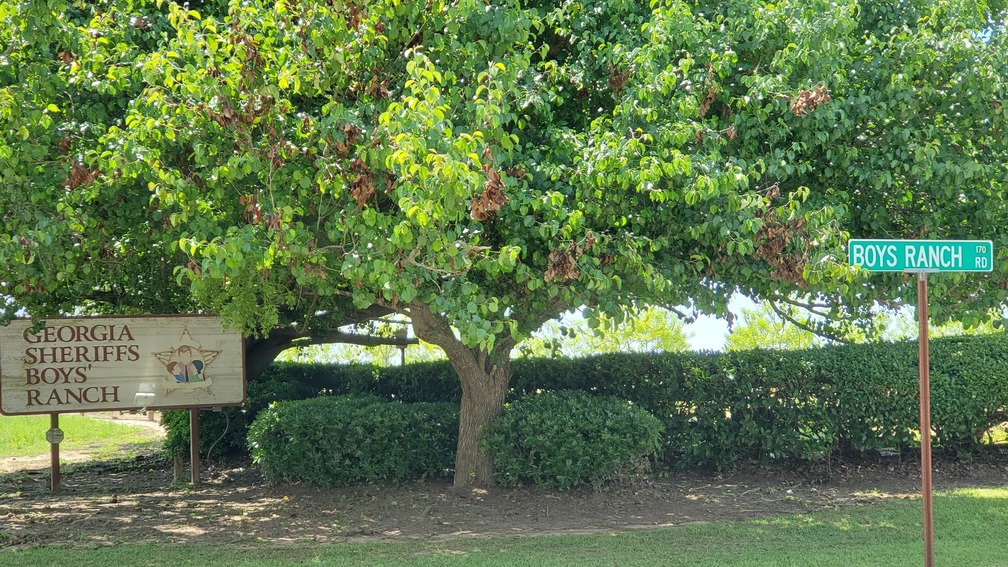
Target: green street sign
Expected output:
[921,255]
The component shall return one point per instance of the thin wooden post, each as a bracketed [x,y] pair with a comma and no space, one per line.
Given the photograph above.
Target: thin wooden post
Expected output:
[178,468]
[924,375]
[54,456]
[194,443]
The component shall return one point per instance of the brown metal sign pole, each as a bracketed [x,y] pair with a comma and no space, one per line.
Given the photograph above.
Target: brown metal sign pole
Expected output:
[54,459]
[194,444]
[923,364]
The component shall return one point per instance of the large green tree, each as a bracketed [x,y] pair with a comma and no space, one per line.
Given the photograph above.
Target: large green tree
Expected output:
[483,166]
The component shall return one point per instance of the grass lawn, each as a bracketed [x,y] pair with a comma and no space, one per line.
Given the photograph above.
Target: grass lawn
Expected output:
[970,528]
[25,435]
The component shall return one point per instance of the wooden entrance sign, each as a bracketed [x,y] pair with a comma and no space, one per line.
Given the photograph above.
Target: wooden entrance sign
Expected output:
[92,364]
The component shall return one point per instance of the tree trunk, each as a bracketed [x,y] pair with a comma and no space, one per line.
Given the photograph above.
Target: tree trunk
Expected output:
[485,377]
[483,393]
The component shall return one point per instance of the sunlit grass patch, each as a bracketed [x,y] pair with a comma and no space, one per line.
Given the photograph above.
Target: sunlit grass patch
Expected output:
[25,435]
[997,435]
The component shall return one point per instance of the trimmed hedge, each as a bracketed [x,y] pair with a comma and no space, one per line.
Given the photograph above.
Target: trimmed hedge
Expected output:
[850,400]
[433,382]
[566,438]
[718,409]
[338,441]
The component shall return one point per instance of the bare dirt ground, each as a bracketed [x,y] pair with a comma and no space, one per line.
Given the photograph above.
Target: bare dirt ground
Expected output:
[136,501]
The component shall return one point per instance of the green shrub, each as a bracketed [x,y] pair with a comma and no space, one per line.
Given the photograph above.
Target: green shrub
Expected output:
[342,440]
[283,381]
[717,409]
[969,390]
[809,405]
[567,438]
[223,433]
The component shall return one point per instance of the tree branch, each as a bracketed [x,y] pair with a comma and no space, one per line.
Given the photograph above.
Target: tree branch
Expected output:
[435,330]
[804,325]
[553,308]
[809,306]
[334,337]
[261,352]
[674,309]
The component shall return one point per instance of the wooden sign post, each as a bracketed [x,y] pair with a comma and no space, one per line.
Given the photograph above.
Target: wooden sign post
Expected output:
[194,444]
[924,379]
[54,436]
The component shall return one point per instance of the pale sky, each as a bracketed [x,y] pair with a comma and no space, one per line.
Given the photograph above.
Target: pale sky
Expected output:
[710,333]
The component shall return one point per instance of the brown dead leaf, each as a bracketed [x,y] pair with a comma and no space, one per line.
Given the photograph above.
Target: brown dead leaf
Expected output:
[808,100]
[562,265]
[352,133]
[708,100]
[618,80]
[778,243]
[517,172]
[253,213]
[353,16]
[362,185]
[79,175]
[488,203]
[362,190]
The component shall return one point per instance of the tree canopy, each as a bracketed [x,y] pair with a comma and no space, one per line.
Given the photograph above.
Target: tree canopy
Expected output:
[483,166]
